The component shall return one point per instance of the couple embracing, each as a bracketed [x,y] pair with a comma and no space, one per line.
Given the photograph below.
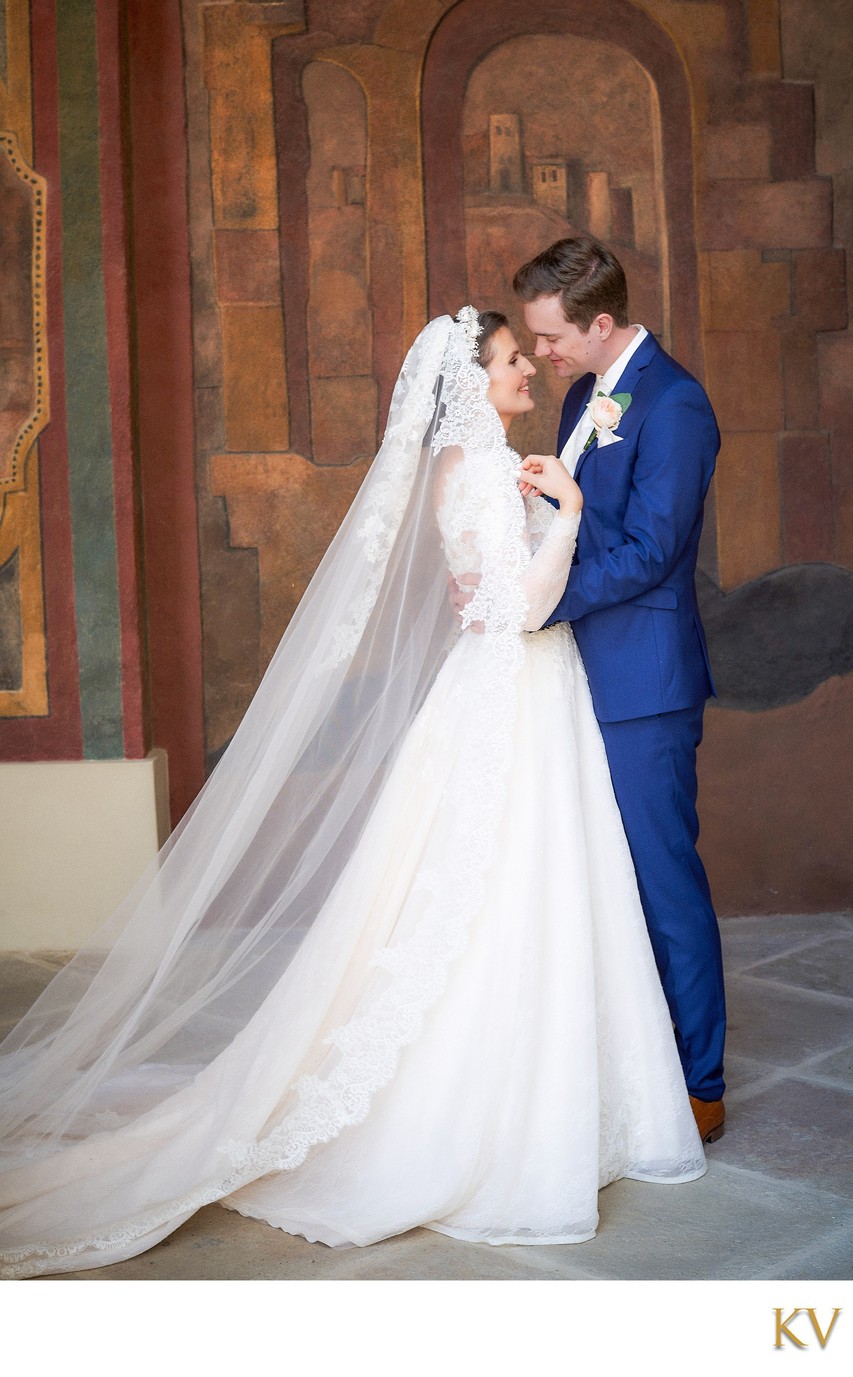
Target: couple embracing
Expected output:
[434,946]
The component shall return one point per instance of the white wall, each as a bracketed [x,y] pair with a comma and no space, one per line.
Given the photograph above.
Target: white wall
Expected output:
[74,837]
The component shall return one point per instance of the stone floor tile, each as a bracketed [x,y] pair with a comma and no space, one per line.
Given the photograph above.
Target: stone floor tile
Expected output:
[827,1258]
[741,1072]
[825,966]
[729,1225]
[836,1067]
[21,983]
[781,1026]
[795,1131]
[747,940]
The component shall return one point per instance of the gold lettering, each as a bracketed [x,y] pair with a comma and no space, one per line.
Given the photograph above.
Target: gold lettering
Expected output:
[783,1325]
[823,1338]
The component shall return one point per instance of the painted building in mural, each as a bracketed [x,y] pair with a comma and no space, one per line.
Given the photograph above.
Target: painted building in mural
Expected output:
[505,156]
[550,186]
[225,222]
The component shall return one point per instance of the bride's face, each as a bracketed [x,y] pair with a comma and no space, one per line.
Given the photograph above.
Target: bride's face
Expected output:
[509,373]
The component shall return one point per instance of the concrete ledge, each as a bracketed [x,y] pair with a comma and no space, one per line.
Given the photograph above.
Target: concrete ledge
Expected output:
[74,838]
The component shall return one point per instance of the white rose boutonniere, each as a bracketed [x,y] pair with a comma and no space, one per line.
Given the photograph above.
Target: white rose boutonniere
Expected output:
[605,413]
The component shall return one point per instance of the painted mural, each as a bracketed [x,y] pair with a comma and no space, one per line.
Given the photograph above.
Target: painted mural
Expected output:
[24,412]
[569,146]
[308,184]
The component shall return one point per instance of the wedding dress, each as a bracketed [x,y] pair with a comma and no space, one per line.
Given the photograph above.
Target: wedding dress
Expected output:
[392,970]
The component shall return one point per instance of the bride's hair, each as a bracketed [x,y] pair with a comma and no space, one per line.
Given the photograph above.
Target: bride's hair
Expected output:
[490,323]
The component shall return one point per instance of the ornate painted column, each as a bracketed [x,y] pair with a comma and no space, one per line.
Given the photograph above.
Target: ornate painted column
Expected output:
[24,386]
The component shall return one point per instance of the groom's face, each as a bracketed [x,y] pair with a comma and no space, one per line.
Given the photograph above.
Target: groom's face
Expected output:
[570,350]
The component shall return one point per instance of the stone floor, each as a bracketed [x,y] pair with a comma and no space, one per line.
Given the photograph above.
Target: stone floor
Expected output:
[777,1201]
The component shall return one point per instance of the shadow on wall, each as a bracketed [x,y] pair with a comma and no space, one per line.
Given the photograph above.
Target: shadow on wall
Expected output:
[774,640]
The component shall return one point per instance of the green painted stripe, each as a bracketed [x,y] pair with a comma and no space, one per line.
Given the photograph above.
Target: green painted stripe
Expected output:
[87,385]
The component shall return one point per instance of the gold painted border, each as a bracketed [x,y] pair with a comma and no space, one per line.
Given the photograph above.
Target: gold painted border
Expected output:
[20,529]
[20,514]
[40,415]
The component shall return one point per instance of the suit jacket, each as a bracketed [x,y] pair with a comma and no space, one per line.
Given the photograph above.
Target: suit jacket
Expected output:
[631,597]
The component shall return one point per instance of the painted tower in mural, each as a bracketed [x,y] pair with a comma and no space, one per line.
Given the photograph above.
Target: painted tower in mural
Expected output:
[505,162]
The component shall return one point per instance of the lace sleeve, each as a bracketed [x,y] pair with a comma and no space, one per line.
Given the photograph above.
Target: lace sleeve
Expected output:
[484,529]
[544,580]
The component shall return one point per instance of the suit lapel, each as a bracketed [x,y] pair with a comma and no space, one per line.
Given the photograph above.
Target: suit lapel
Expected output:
[639,360]
[569,419]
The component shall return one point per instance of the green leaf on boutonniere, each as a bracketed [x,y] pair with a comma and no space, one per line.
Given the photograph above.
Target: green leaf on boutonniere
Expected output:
[623,399]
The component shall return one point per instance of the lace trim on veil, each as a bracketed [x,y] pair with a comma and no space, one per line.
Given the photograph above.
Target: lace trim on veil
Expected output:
[368,1045]
[366,1050]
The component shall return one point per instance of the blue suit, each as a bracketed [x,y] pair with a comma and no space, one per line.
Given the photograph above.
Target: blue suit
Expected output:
[631,601]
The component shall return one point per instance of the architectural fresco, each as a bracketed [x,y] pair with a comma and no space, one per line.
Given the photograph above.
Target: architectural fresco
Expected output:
[573,147]
[308,184]
[419,160]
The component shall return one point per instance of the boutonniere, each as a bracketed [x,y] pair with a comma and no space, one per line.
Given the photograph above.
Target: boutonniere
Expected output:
[605,413]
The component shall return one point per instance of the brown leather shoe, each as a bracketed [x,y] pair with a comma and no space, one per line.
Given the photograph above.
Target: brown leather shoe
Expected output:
[710,1116]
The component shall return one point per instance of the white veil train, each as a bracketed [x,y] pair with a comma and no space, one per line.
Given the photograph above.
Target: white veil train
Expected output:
[132,1043]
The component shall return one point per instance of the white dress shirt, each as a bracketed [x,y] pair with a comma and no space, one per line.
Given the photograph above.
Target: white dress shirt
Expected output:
[605,383]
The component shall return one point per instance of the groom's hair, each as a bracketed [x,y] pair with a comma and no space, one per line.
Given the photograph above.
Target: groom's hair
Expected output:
[582,271]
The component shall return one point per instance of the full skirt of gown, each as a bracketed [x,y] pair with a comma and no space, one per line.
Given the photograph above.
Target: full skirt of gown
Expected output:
[537,1062]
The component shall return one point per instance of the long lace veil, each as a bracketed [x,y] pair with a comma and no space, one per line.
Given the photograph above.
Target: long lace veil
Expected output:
[199,944]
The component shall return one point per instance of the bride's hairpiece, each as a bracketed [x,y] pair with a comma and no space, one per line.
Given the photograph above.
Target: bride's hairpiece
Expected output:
[469,319]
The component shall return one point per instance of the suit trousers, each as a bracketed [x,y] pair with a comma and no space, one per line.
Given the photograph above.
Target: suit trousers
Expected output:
[653,766]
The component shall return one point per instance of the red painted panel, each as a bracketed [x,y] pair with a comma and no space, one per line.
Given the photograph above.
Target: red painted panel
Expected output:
[293,159]
[114,212]
[165,395]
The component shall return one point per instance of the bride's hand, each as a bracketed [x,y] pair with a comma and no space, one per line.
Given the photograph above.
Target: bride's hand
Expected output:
[550,476]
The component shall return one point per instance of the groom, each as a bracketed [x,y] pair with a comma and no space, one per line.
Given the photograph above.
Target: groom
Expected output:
[643,460]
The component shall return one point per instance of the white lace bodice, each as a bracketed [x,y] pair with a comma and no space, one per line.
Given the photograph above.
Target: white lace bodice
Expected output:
[520,549]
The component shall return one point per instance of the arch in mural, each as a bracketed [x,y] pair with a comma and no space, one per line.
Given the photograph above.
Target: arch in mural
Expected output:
[467,35]
[339,314]
[324,255]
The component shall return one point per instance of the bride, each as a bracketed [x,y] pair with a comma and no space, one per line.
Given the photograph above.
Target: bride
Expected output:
[391,969]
